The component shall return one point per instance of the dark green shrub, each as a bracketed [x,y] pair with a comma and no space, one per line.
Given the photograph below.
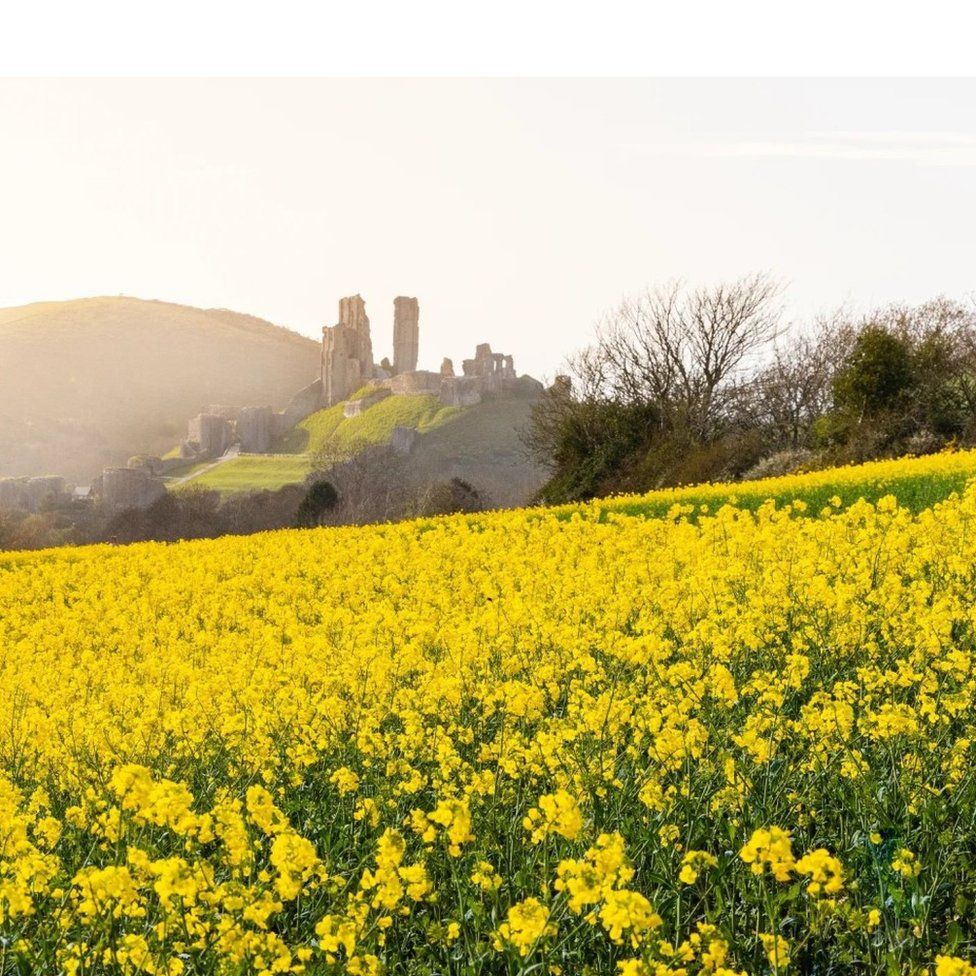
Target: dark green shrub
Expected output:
[320,498]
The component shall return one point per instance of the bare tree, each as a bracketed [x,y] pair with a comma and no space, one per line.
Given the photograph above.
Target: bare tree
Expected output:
[684,350]
[793,389]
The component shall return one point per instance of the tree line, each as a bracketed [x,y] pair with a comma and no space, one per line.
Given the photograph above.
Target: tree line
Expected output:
[370,487]
[695,384]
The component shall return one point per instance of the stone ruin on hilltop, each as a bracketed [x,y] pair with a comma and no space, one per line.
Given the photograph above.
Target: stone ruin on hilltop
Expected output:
[347,361]
[347,367]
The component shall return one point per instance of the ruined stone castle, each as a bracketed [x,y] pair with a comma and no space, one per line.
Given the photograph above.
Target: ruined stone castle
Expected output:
[348,374]
[348,369]
[348,366]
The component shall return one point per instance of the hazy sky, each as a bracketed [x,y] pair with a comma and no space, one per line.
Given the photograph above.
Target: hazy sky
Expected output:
[516,211]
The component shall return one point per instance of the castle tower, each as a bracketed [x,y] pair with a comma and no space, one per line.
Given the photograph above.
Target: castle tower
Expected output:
[406,334]
[352,314]
[347,352]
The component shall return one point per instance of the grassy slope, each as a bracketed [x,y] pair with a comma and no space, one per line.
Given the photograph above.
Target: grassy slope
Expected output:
[479,444]
[250,472]
[91,382]
[298,446]
[374,426]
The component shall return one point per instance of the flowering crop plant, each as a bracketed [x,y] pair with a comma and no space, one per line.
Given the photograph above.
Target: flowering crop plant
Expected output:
[580,741]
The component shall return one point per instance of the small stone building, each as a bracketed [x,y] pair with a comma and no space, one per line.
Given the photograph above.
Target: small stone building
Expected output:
[256,429]
[123,488]
[209,435]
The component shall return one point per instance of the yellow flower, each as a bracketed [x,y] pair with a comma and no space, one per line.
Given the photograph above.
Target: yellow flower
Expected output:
[454,816]
[769,848]
[588,880]
[826,872]
[485,877]
[668,834]
[111,890]
[526,924]
[906,863]
[262,810]
[556,813]
[296,861]
[335,932]
[777,951]
[953,966]
[693,863]
[345,780]
[206,718]
[628,911]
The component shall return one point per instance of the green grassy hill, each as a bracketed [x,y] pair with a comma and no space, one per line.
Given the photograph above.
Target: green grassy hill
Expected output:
[88,383]
[252,472]
[374,426]
[479,444]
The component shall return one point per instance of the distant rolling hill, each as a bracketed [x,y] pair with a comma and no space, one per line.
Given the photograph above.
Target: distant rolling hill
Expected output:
[87,383]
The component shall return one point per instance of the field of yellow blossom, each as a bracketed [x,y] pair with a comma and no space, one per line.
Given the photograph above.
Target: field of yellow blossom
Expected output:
[550,742]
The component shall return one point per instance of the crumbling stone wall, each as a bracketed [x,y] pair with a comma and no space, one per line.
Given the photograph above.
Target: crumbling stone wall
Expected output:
[304,403]
[347,362]
[352,315]
[353,408]
[44,488]
[419,381]
[460,391]
[403,439]
[13,494]
[341,370]
[494,368]
[220,410]
[30,494]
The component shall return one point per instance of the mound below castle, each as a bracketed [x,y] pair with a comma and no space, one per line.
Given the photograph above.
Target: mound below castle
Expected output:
[439,425]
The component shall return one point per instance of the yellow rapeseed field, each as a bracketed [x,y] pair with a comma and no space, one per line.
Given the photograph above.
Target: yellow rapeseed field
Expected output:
[558,742]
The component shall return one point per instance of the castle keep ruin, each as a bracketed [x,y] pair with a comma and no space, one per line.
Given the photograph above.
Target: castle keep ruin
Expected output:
[124,488]
[493,368]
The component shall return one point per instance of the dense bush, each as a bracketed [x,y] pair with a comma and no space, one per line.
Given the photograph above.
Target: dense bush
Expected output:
[453,497]
[193,513]
[320,498]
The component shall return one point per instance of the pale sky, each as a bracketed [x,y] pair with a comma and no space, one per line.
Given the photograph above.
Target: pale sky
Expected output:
[515,211]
